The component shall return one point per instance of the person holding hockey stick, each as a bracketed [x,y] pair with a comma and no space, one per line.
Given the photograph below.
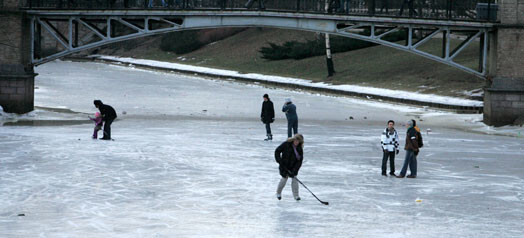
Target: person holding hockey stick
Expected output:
[289,155]
[108,116]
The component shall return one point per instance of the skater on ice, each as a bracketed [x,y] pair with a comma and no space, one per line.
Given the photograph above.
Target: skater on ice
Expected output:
[289,155]
[267,116]
[292,119]
[412,149]
[98,124]
[389,141]
[108,116]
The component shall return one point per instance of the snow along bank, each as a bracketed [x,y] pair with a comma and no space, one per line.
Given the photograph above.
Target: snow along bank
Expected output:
[370,92]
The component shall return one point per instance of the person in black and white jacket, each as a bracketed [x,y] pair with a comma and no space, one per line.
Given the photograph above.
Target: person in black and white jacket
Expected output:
[389,141]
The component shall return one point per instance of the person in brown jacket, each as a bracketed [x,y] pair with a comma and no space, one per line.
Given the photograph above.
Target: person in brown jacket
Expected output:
[411,149]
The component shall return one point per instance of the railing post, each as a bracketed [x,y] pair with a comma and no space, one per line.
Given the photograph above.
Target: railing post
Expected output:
[489,10]
[371,7]
[481,52]
[448,9]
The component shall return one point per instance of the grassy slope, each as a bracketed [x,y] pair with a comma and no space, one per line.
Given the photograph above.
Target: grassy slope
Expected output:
[378,66]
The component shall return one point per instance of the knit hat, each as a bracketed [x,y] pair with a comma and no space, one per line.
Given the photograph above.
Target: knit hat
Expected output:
[288,100]
[97,114]
[266,96]
[97,102]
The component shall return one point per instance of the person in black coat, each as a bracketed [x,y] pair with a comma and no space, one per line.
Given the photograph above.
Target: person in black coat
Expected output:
[267,116]
[261,6]
[108,116]
[289,155]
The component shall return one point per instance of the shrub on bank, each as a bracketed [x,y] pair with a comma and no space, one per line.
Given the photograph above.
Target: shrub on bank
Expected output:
[181,42]
[310,48]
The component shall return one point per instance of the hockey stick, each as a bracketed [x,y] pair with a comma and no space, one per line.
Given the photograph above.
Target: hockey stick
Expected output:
[325,203]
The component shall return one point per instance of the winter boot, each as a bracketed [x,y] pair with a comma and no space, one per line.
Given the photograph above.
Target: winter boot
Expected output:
[279,196]
[270,137]
[297,198]
[267,138]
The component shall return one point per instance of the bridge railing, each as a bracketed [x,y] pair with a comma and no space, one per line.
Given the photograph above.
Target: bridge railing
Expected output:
[469,10]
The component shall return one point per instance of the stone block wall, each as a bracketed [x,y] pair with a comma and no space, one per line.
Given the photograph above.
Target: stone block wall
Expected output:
[504,99]
[16,72]
[503,107]
[17,93]
[10,36]
[510,48]
[510,12]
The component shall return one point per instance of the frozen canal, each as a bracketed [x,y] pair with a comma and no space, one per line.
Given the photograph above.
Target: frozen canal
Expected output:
[189,160]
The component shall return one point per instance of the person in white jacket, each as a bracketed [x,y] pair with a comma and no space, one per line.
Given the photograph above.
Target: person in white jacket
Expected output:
[389,141]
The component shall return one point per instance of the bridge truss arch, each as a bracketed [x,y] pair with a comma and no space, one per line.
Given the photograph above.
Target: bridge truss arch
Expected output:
[80,30]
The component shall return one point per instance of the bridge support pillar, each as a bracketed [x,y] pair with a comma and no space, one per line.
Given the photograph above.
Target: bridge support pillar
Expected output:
[16,72]
[504,98]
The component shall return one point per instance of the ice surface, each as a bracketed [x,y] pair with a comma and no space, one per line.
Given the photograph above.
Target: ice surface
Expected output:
[177,171]
[350,88]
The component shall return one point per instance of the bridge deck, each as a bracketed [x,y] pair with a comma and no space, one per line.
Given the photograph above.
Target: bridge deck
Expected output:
[463,10]
[51,13]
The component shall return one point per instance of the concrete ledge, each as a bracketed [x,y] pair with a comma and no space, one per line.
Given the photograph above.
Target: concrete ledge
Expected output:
[16,77]
[503,106]
[506,90]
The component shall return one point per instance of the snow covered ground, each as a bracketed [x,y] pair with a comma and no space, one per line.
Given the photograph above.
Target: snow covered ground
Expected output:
[188,160]
[271,78]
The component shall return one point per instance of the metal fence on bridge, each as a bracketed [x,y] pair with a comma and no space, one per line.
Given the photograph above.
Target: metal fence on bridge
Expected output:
[466,10]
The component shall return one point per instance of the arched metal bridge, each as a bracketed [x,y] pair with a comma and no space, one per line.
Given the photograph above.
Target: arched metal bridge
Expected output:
[80,29]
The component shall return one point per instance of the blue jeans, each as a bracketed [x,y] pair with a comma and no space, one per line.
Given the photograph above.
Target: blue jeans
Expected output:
[292,124]
[411,161]
[268,128]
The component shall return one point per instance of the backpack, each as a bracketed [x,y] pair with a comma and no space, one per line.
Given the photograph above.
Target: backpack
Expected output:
[419,140]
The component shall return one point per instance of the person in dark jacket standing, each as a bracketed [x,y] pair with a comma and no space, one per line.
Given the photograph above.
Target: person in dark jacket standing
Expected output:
[292,119]
[289,155]
[267,116]
[108,116]
[411,148]
[410,5]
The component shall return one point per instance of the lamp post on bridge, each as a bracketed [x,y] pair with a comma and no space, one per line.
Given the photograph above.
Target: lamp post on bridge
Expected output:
[329,59]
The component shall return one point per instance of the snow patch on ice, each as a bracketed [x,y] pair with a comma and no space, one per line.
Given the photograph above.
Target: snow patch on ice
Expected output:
[474,93]
[5,116]
[270,78]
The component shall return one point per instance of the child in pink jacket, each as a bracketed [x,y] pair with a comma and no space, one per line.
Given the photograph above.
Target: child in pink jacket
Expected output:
[98,124]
